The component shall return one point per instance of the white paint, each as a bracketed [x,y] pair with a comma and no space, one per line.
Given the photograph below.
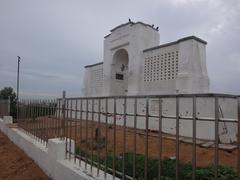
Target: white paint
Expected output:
[178,67]
[175,68]
[8,119]
[51,159]
[204,109]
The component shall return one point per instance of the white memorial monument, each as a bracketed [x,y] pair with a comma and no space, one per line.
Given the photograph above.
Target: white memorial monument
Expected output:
[135,64]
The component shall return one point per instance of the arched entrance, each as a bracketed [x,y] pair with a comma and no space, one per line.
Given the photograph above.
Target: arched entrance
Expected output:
[119,71]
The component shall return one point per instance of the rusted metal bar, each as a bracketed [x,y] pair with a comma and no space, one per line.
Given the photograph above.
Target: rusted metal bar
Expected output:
[56,118]
[59,118]
[45,121]
[27,126]
[98,135]
[238,141]
[66,126]
[216,155]
[70,129]
[21,122]
[49,118]
[135,139]
[28,115]
[92,126]
[81,133]
[63,123]
[86,153]
[41,121]
[124,137]
[48,121]
[159,138]
[238,119]
[177,138]
[106,137]
[114,137]
[30,120]
[194,139]
[146,140]
[75,134]
[35,119]
[52,119]
[38,121]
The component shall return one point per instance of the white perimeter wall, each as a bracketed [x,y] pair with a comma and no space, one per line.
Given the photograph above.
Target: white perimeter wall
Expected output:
[205,109]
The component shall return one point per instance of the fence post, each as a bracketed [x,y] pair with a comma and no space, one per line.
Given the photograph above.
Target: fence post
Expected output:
[63,114]
[238,141]
[9,106]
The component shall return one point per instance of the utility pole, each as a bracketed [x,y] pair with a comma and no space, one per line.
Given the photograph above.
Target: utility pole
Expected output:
[18,85]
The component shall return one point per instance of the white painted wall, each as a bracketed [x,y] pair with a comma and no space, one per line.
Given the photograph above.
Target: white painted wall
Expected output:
[205,109]
[134,38]
[93,81]
[51,158]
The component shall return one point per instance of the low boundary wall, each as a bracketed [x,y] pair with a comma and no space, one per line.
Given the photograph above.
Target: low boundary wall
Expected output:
[50,158]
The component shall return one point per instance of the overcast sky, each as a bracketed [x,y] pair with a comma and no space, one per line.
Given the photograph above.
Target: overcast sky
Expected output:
[57,38]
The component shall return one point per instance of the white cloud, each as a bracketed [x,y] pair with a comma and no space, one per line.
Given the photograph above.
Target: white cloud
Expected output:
[184,2]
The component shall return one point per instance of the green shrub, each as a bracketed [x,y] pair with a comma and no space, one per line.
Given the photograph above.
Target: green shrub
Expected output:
[168,168]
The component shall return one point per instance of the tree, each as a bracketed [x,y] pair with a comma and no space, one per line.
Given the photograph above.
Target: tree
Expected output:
[8,92]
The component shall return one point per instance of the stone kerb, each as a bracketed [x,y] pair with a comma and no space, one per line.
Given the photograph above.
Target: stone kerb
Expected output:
[7,119]
[56,148]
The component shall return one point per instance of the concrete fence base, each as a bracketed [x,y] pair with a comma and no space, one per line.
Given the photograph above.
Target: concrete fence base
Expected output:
[51,158]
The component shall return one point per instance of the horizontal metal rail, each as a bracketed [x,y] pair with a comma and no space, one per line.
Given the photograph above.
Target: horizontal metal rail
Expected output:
[101,142]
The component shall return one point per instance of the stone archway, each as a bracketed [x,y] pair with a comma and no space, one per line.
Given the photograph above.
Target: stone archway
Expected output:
[119,71]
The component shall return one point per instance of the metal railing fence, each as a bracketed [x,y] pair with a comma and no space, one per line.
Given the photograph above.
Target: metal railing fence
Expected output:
[39,119]
[114,134]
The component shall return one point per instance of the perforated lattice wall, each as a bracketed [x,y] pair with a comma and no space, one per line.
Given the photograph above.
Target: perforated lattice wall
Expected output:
[97,78]
[159,67]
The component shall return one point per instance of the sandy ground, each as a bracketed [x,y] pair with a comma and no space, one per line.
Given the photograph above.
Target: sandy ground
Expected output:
[15,164]
[204,156]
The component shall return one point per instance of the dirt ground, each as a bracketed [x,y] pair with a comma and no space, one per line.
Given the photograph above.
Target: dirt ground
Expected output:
[204,156]
[15,164]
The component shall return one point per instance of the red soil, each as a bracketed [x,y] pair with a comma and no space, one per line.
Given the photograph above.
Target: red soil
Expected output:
[15,164]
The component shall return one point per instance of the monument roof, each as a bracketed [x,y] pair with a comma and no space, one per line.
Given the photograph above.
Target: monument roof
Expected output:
[91,65]
[132,24]
[176,42]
